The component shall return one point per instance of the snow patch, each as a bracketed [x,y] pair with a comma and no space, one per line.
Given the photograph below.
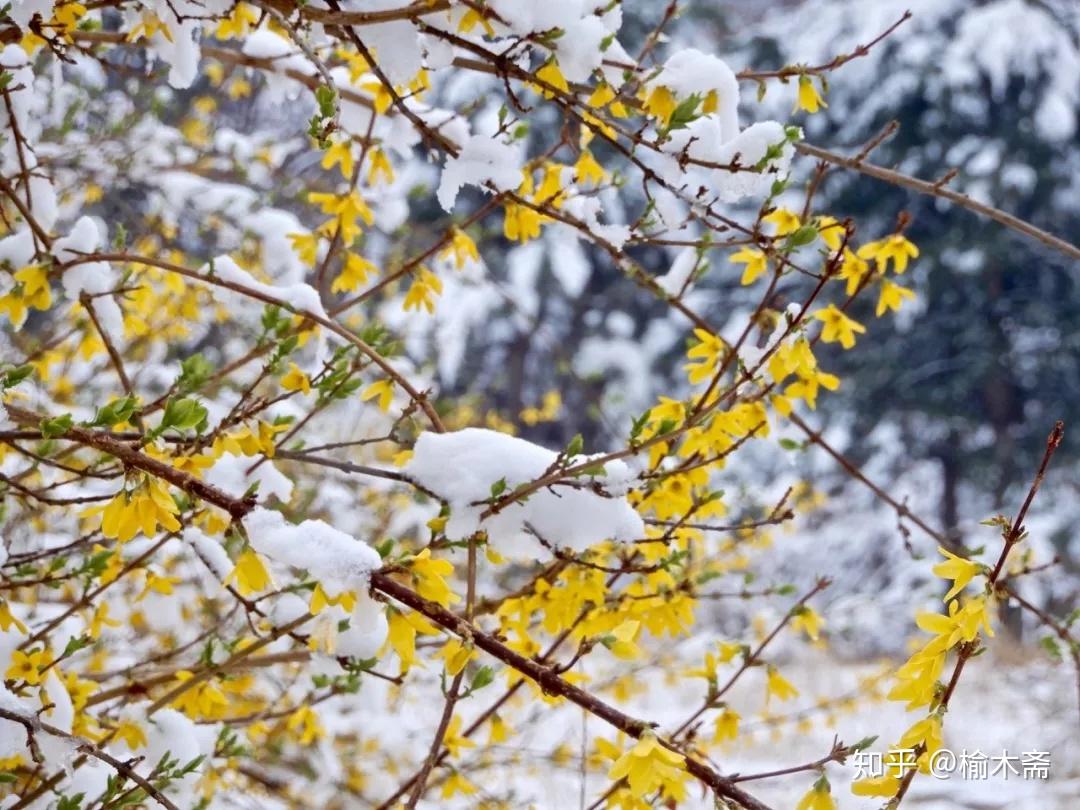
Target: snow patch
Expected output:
[481,160]
[230,473]
[326,553]
[460,467]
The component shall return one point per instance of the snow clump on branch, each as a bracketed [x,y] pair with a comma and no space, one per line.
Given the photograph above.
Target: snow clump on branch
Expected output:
[461,467]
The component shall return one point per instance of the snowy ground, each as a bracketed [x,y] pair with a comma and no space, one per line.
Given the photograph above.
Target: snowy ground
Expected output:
[1003,703]
[1008,701]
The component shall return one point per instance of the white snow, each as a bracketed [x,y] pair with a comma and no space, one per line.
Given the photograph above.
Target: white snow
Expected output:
[396,44]
[83,238]
[43,203]
[579,48]
[529,16]
[326,553]
[461,467]
[291,296]
[17,250]
[181,49]
[12,735]
[170,732]
[265,44]
[210,551]
[703,139]
[367,629]
[22,11]
[690,71]
[272,226]
[673,282]
[482,159]
[569,264]
[94,278]
[587,209]
[230,474]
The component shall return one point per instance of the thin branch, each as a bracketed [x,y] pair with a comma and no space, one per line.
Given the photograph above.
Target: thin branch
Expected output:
[939,189]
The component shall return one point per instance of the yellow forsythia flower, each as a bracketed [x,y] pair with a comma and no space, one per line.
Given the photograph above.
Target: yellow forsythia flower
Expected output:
[26,667]
[551,75]
[838,326]
[588,170]
[430,578]
[470,20]
[250,573]
[339,152]
[7,619]
[462,248]
[383,390]
[353,274]
[783,220]
[622,645]
[891,297]
[456,654]
[423,291]
[649,767]
[521,223]
[131,733]
[755,262]
[895,247]
[818,797]
[808,99]
[778,686]
[379,165]
[296,380]
[807,619]
[661,104]
[958,569]
[706,356]
[726,726]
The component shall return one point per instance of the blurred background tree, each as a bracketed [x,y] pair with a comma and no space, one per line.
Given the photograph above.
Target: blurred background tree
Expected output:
[977,373]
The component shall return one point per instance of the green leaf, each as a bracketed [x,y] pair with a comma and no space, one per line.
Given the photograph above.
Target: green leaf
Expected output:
[58,426]
[115,413]
[194,372]
[863,744]
[326,98]
[16,376]
[665,427]
[271,317]
[1052,648]
[684,113]
[120,238]
[576,445]
[76,644]
[484,676]
[498,488]
[289,344]
[182,414]
[639,425]
[803,236]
